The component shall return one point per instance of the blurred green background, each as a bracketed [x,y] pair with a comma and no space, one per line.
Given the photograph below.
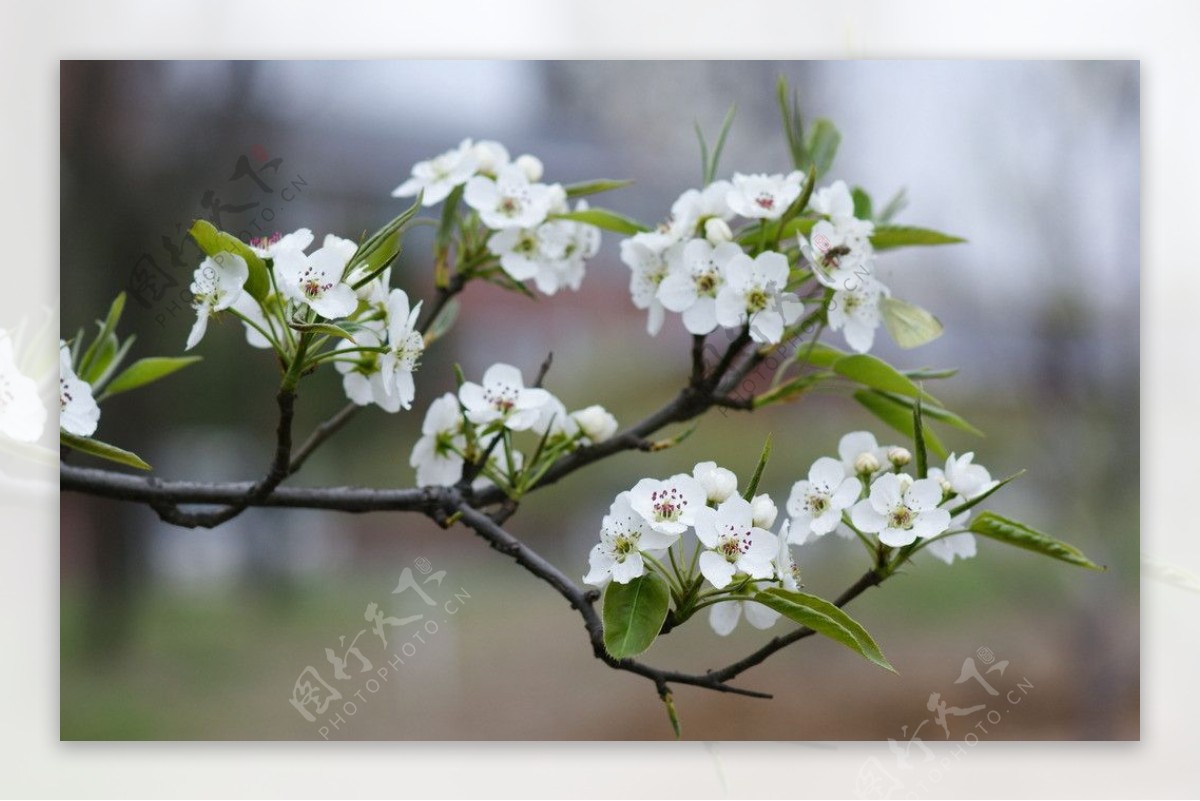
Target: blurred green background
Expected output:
[176,634]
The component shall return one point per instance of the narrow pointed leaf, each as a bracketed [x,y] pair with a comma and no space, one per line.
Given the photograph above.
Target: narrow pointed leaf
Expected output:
[102,449]
[896,236]
[934,412]
[826,619]
[105,339]
[146,371]
[752,487]
[862,203]
[634,614]
[878,374]
[898,417]
[321,328]
[822,144]
[603,218]
[595,187]
[993,526]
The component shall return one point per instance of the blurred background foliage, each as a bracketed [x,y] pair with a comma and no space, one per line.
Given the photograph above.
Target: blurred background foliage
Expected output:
[175,634]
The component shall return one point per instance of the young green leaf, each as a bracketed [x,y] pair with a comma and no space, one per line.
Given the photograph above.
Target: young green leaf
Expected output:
[896,236]
[993,526]
[862,203]
[919,449]
[321,328]
[383,246]
[790,391]
[145,371]
[933,412]
[793,124]
[819,354]
[634,614]
[752,487]
[443,322]
[822,144]
[878,374]
[710,169]
[595,187]
[214,242]
[102,449]
[603,218]
[105,340]
[911,326]
[824,618]
[898,417]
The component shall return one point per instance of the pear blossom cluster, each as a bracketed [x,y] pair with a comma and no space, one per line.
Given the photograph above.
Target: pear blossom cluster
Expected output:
[22,413]
[732,544]
[484,415]
[696,266]
[864,491]
[513,204]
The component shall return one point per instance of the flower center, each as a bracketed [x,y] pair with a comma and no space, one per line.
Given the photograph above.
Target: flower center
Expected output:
[409,350]
[501,397]
[765,201]
[901,517]
[733,544]
[314,283]
[510,205]
[757,299]
[668,504]
[817,503]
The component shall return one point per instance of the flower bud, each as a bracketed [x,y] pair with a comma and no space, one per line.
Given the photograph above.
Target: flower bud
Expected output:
[899,456]
[717,231]
[944,483]
[596,423]
[866,463]
[764,511]
[531,166]
[718,482]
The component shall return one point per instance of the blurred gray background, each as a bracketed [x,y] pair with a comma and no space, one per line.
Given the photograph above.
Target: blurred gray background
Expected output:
[180,634]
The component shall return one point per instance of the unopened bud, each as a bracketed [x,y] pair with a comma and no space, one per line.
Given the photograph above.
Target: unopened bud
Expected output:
[945,485]
[764,511]
[866,463]
[717,231]
[596,423]
[719,483]
[531,166]
[899,456]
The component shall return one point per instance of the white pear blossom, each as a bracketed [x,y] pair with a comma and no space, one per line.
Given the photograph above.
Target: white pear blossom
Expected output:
[695,208]
[436,455]
[490,156]
[216,285]
[362,378]
[645,255]
[765,510]
[510,200]
[734,544]
[855,312]
[763,196]
[504,398]
[962,477]
[724,617]
[440,175]
[900,512]
[624,537]
[859,450]
[596,423]
[785,565]
[267,247]
[668,506]
[22,413]
[960,545]
[834,201]
[248,307]
[816,505]
[531,165]
[841,257]
[552,254]
[718,483]
[554,420]
[754,293]
[405,346]
[78,412]
[695,275]
[315,279]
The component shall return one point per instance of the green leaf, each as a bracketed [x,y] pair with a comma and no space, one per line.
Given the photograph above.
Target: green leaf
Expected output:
[321,328]
[820,355]
[758,470]
[934,412]
[145,371]
[862,203]
[822,144]
[105,340]
[444,321]
[931,373]
[992,525]
[878,374]
[893,207]
[911,326]
[102,449]
[383,246]
[603,218]
[115,362]
[785,393]
[214,242]
[102,352]
[897,236]
[824,618]
[634,614]
[793,124]
[922,455]
[898,417]
[710,169]
[595,187]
